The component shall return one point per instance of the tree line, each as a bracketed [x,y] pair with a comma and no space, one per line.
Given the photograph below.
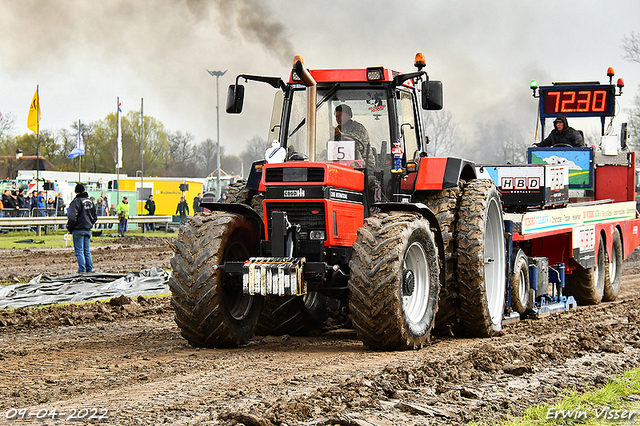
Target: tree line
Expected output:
[165,153]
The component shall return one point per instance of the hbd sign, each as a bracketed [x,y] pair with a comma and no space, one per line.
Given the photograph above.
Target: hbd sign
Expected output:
[520,183]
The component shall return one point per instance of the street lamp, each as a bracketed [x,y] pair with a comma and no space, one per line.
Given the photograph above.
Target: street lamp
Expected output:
[217,75]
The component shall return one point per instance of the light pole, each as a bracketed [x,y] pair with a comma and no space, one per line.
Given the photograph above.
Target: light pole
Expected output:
[217,75]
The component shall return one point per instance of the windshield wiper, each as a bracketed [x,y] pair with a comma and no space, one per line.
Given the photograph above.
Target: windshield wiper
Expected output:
[326,97]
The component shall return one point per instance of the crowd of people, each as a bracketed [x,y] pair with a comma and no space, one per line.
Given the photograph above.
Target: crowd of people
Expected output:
[17,203]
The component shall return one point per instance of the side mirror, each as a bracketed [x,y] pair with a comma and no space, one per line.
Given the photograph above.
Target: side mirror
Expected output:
[235,99]
[432,95]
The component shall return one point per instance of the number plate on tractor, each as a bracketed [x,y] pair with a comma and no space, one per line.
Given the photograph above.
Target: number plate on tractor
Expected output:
[281,276]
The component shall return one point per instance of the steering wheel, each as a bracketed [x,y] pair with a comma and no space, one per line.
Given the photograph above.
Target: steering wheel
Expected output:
[563,145]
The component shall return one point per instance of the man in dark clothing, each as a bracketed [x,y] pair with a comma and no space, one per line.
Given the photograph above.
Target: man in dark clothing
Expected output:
[562,134]
[81,218]
[196,204]
[150,207]
[10,203]
[183,210]
[22,203]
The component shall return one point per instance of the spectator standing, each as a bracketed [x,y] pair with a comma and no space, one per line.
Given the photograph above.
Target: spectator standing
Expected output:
[41,204]
[60,206]
[196,204]
[22,203]
[10,203]
[112,212]
[123,213]
[81,217]
[150,207]
[182,210]
[34,203]
[100,209]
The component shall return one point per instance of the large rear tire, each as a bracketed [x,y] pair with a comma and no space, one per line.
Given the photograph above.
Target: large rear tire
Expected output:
[614,270]
[481,259]
[444,205]
[587,285]
[210,307]
[394,281]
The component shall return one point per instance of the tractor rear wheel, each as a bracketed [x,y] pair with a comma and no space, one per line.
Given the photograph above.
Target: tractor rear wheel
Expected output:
[297,315]
[587,285]
[444,205]
[614,270]
[394,281]
[210,307]
[481,258]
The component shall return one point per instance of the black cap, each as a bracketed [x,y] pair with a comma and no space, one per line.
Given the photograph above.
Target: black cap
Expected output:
[79,188]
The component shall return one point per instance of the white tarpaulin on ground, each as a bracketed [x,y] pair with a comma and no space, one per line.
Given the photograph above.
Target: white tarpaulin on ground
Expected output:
[46,290]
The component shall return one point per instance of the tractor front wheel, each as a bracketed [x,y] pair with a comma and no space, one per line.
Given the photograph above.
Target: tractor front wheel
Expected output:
[394,281]
[210,307]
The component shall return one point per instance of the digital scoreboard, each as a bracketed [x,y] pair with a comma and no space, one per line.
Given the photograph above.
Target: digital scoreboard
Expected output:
[587,100]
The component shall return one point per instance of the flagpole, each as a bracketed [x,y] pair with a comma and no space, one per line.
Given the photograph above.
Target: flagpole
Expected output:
[79,180]
[142,156]
[117,150]
[38,140]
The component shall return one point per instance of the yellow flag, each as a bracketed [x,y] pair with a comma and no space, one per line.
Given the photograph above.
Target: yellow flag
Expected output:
[33,120]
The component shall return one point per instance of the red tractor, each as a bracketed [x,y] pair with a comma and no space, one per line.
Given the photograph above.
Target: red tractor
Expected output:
[345,210]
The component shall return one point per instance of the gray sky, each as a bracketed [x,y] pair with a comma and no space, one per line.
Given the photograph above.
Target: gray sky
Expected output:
[85,53]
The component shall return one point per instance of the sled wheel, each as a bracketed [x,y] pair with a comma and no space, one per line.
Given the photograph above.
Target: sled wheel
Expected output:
[587,285]
[614,270]
[520,284]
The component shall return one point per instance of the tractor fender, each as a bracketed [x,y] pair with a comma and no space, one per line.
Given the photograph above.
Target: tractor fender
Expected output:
[427,214]
[441,173]
[242,209]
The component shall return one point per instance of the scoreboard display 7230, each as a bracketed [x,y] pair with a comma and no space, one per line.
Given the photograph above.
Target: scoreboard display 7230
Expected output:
[577,100]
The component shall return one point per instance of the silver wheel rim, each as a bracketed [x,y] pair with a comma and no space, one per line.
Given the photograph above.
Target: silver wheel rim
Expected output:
[415,305]
[522,287]
[613,266]
[494,261]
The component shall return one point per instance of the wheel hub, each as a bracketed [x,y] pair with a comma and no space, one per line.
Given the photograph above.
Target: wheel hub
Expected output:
[408,282]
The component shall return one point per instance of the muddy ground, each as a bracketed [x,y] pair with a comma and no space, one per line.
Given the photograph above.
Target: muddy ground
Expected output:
[125,363]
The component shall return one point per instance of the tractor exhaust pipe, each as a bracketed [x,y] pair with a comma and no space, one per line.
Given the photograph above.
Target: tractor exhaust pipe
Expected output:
[312,88]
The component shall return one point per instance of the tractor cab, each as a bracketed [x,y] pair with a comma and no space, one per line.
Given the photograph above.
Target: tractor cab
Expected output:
[366,119]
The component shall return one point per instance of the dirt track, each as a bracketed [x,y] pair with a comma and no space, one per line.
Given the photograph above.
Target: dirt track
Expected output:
[130,360]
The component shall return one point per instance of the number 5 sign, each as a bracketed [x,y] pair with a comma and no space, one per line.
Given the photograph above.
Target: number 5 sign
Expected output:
[341,151]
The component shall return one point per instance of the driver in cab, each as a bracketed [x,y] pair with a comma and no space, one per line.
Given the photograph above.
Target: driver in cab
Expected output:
[562,135]
[348,129]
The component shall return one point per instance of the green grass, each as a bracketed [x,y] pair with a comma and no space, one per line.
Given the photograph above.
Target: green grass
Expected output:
[621,396]
[55,239]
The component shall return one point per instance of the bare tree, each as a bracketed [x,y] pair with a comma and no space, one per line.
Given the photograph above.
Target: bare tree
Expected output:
[254,151]
[443,133]
[6,125]
[631,47]
[206,156]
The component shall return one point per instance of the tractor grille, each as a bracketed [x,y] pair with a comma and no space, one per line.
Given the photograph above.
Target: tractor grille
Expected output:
[310,216]
[294,174]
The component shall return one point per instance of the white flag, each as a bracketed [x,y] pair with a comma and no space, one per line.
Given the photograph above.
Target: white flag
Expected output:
[79,148]
[119,138]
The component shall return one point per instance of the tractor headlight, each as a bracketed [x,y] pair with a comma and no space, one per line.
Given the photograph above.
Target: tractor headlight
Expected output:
[316,235]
